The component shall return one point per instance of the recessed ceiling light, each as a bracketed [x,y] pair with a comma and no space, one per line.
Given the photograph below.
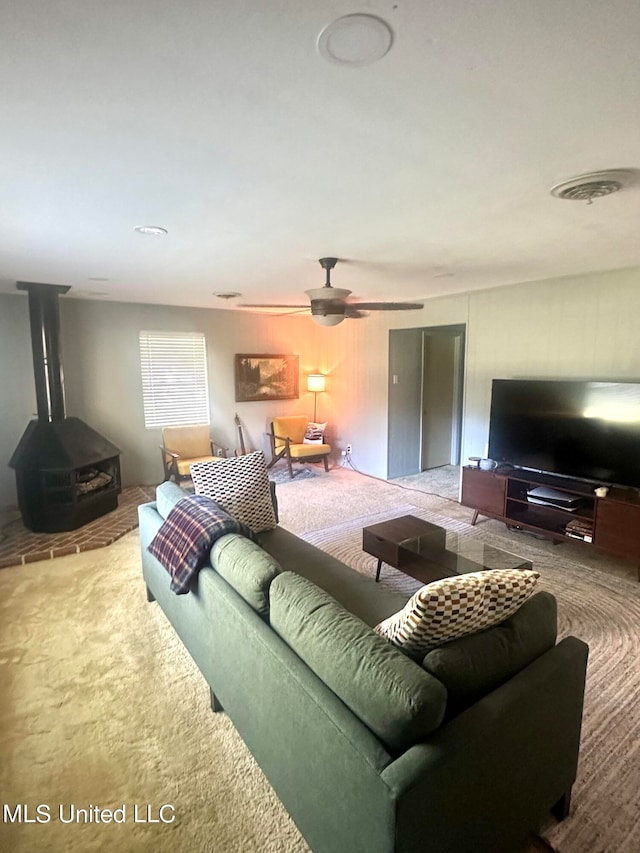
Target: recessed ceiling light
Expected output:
[97,278]
[152,230]
[231,294]
[355,40]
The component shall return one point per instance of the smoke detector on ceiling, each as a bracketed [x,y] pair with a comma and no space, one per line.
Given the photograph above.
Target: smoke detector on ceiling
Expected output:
[593,185]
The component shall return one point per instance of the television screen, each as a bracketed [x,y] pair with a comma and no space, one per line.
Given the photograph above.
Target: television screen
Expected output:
[586,430]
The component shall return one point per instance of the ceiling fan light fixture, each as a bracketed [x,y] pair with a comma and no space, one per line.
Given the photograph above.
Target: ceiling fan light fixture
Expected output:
[327,319]
[323,293]
[329,306]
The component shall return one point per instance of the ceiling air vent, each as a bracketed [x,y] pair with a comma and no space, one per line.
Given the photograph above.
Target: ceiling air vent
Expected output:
[593,185]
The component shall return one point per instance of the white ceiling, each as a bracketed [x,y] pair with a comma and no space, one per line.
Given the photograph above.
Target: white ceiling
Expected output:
[428,172]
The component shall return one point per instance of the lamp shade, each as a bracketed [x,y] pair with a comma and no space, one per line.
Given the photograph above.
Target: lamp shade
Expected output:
[315,382]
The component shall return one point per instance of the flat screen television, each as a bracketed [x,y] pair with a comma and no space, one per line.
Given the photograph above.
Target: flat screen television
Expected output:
[571,428]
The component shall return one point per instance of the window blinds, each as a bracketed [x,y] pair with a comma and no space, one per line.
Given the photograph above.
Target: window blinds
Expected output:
[174,378]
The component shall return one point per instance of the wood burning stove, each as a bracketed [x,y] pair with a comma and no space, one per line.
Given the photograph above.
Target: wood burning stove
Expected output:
[67,474]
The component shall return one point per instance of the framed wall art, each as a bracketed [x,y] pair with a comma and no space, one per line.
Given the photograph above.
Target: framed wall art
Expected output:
[266,377]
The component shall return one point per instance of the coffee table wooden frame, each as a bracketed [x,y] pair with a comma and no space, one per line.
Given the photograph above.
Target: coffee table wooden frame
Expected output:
[389,541]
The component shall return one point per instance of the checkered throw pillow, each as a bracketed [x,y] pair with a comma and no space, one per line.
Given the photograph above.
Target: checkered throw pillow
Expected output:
[463,604]
[241,485]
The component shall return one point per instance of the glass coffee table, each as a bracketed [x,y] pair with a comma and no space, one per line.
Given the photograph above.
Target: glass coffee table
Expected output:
[427,552]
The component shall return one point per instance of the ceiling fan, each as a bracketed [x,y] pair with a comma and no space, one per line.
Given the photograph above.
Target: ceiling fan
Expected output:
[329,304]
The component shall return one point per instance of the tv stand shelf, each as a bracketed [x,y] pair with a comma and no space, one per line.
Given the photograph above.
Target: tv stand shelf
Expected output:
[610,524]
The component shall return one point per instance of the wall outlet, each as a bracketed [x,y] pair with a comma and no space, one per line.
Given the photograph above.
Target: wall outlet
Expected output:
[349,448]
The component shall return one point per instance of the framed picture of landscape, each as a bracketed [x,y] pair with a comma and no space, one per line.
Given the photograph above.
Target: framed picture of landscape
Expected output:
[266,377]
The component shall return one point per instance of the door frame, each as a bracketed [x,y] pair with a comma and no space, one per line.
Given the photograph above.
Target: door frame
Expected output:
[414,449]
[458,333]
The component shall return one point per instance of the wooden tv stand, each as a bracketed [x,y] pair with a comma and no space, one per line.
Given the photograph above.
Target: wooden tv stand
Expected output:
[610,524]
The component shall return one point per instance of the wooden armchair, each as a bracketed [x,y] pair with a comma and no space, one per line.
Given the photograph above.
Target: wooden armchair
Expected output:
[182,446]
[287,442]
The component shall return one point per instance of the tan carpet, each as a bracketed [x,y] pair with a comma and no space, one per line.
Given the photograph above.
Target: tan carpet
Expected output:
[101,706]
[443,481]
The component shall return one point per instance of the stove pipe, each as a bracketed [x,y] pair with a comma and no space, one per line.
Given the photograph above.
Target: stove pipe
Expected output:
[44,316]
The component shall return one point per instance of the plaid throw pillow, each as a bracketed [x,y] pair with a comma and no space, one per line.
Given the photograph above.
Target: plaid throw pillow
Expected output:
[183,542]
[463,604]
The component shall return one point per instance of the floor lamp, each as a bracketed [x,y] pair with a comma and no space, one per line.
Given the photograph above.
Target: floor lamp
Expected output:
[315,383]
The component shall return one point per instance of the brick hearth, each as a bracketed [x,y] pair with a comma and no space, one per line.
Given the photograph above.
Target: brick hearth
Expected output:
[19,545]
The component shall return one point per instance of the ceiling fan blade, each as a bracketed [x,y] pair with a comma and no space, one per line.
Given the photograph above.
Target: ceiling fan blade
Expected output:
[353,312]
[388,306]
[272,305]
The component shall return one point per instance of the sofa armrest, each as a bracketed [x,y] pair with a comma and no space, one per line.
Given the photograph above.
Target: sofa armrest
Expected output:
[503,763]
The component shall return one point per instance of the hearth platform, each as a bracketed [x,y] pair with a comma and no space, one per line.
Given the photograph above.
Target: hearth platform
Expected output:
[18,545]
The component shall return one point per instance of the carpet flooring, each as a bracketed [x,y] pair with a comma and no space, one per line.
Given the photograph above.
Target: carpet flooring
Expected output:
[100,705]
[443,481]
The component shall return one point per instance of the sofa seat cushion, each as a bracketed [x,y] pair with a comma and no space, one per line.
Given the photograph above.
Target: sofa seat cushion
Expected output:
[472,666]
[458,605]
[398,700]
[247,568]
[356,592]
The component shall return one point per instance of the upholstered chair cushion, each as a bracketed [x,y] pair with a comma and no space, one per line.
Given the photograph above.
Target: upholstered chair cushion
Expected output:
[188,441]
[293,427]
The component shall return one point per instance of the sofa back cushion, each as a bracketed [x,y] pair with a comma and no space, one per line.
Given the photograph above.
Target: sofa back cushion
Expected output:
[167,496]
[398,700]
[247,568]
[472,666]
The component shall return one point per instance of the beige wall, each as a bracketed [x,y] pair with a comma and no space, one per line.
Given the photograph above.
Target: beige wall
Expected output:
[582,326]
[17,389]
[106,391]
[575,327]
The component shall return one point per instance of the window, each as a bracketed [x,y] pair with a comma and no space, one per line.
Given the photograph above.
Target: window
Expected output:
[174,378]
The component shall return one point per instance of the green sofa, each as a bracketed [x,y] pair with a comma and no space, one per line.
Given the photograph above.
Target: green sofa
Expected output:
[468,751]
